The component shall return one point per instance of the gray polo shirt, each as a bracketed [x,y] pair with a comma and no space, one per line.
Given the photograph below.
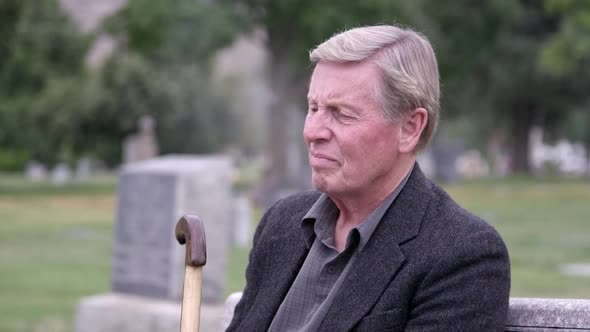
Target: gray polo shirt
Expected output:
[321,276]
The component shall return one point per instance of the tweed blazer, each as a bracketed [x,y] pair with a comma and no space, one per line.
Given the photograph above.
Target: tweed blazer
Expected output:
[429,266]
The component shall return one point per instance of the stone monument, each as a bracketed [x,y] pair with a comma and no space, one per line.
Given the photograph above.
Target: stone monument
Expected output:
[83,169]
[142,145]
[61,174]
[35,171]
[242,220]
[148,263]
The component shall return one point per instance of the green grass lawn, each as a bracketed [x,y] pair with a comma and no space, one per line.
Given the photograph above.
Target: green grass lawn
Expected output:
[55,246]
[55,243]
[544,223]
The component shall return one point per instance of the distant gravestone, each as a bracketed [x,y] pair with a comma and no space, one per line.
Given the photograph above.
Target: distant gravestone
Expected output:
[471,164]
[142,145]
[83,169]
[242,219]
[61,174]
[35,171]
[575,269]
[445,153]
[426,162]
[147,260]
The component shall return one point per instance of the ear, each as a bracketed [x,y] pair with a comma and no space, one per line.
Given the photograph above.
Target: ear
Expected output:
[412,127]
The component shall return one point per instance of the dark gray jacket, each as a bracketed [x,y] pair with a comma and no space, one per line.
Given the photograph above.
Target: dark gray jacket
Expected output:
[429,266]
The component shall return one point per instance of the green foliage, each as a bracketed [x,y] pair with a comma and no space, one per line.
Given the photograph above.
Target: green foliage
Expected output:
[161,72]
[53,109]
[38,45]
[507,64]
[568,49]
[12,160]
[294,27]
[38,42]
[490,68]
[98,110]
[176,31]
[566,55]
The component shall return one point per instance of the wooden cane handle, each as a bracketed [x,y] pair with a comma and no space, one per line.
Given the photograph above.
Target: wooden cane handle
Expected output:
[190,231]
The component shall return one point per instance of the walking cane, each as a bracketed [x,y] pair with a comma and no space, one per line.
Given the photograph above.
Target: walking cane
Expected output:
[190,231]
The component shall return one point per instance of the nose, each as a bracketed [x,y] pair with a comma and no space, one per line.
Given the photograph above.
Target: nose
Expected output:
[317,127]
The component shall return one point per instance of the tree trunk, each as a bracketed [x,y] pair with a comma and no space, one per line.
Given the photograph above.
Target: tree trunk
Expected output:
[278,125]
[522,122]
[287,88]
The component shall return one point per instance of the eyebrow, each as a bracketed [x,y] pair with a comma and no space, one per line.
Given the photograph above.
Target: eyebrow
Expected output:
[334,101]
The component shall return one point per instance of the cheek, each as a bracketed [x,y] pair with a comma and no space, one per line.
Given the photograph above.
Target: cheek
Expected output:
[370,153]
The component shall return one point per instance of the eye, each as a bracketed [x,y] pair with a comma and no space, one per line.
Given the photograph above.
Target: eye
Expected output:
[312,109]
[344,116]
[340,114]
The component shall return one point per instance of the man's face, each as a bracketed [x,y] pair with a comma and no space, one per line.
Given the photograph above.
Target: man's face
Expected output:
[352,148]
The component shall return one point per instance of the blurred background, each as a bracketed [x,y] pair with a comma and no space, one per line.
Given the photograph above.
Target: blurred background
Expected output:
[87,86]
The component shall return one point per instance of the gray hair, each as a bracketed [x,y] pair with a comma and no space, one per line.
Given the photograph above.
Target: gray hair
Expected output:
[408,66]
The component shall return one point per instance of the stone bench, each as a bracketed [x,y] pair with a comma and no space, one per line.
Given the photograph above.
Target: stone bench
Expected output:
[525,314]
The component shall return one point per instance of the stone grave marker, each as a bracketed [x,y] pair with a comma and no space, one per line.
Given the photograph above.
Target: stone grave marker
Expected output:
[242,221]
[148,262]
[142,145]
[61,174]
[35,171]
[83,169]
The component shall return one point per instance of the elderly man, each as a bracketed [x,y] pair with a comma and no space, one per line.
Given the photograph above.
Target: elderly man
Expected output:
[377,246]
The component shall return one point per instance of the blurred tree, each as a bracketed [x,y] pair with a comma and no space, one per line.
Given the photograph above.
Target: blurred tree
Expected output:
[566,55]
[488,53]
[98,110]
[509,64]
[489,65]
[176,31]
[37,45]
[174,41]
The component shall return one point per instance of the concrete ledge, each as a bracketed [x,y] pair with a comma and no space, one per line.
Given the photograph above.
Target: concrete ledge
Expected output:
[230,306]
[121,312]
[533,314]
[524,315]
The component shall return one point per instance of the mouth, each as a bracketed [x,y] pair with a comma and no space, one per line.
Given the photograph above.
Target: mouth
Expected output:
[320,159]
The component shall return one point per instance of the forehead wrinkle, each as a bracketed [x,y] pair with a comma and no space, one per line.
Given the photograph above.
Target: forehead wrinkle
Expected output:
[353,89]
[353,92]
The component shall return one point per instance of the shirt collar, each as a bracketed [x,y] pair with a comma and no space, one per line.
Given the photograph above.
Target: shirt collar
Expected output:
[323,210]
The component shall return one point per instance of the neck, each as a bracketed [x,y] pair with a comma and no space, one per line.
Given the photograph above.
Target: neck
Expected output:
[356,207]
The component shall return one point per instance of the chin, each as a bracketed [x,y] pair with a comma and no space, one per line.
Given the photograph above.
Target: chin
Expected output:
[319,183]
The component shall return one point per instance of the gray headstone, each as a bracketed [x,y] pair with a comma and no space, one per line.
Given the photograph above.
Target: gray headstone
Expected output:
[575,269]
[35,171]
[142,145]
[444,153]
[242,219]
[83,169]
[426,161]
[61,174]
[152,196]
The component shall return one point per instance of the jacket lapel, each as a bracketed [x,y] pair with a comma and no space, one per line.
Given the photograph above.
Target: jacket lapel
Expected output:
[381,258]
[288,254]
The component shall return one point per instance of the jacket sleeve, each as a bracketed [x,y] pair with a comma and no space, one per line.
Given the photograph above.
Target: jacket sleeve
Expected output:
[467,289]
[252,279]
